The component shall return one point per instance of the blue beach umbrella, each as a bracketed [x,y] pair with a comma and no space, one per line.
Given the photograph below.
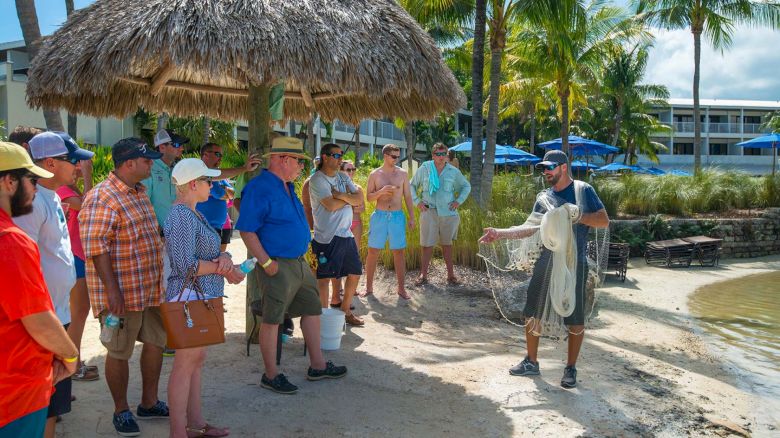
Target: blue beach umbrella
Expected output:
[613,167]
[582,165]
[764,142]
[515,161]
[501,150]
[679,172]
[581,146]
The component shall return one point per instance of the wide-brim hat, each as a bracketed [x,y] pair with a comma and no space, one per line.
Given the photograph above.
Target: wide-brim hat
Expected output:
[287,146]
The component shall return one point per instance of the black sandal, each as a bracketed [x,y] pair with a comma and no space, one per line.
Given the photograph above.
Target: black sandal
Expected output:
[338,306]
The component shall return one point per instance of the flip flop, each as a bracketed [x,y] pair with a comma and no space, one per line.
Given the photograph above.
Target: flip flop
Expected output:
[207,431]
[405,296]
[338,306]
[421,281]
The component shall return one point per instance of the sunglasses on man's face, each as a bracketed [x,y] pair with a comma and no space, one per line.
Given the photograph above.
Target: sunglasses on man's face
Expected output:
[349,169]
[65,158]
[550,167]
[335,156]
[205,179]
[440,154]
[33,178]
[395,157]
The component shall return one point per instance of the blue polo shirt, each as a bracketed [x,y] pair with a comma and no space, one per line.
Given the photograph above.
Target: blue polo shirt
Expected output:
[215,208]
[276,218]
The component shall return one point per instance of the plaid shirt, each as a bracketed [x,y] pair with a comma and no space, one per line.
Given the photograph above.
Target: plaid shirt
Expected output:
[119,220]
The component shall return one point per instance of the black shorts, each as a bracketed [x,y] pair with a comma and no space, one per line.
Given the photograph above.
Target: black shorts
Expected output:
[535,302]
[224,235]
[338,258]
[59,403]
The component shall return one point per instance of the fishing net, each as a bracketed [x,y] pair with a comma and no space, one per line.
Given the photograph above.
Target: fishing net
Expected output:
[536,274]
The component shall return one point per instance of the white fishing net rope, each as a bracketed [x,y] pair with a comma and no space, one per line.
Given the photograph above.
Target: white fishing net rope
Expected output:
[511,263]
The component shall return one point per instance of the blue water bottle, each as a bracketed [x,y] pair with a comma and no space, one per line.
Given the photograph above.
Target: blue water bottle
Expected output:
[248,265]
[322,259]
[110,325]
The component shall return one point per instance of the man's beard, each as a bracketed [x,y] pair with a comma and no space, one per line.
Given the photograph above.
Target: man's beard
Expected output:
[554,180]
[19,203]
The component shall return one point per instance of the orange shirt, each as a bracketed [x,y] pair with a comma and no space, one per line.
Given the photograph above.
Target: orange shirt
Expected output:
[25,366]
[119,220]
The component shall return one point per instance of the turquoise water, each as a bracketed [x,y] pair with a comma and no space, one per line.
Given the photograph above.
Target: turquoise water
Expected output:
[742,317]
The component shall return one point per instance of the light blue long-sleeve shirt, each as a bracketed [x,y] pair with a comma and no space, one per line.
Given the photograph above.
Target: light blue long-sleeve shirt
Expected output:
[451,183]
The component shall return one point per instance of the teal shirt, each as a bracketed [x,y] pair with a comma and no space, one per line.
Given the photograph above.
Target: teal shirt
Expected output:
[453,186]
[161,190]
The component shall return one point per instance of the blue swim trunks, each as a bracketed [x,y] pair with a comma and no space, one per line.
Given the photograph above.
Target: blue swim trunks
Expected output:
[387,225]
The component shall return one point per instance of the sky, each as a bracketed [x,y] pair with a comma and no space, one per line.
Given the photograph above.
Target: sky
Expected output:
[749,69]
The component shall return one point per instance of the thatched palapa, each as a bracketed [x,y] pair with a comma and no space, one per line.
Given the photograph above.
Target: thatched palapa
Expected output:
[347,60]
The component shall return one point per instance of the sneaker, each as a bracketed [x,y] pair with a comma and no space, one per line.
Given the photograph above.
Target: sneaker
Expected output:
[159,410]
[125,424]
[569,379]
[279,384]
[84,374]
[169,352]
[330,372]
[525,368]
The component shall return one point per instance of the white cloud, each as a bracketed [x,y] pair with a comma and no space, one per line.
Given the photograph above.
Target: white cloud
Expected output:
[749,69]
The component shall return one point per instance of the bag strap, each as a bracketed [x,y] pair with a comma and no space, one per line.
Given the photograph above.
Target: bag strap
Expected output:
[191,280]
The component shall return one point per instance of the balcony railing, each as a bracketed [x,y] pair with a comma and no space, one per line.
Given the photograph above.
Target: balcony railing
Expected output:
[718,128]
[752,128]
[683,126]
[724,128]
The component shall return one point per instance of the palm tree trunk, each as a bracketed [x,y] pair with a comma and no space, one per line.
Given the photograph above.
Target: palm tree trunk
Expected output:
[310,146]
[72,119]
[564,97]
[411,142]
[477,79]
[533,130]
[696,109]
[162,121]
[618,122]
[28,20]
[206,129]
[496,53]
[357,143]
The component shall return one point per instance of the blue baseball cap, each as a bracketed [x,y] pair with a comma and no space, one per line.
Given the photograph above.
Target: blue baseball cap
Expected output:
[54,144]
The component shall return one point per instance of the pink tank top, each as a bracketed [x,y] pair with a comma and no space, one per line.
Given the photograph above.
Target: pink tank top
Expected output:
[66,192]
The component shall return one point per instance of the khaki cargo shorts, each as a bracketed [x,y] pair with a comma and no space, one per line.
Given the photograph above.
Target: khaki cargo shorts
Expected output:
[293,290]
[435,229]
[145,327]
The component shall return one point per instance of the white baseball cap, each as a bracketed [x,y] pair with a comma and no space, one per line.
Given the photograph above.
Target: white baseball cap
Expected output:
[167,136]
[190,169]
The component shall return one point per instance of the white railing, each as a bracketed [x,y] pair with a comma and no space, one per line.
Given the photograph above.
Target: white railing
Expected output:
[723,128]
[683,126]
[752,128]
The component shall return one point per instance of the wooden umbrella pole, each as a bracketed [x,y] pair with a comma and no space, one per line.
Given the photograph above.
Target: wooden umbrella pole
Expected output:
[259,119]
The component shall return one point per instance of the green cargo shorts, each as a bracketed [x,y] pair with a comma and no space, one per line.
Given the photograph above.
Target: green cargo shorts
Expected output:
[293,290]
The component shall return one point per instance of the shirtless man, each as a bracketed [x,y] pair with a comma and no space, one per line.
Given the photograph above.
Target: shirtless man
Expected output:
[388,186]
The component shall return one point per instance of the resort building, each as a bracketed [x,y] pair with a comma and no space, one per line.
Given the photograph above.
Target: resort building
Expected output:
[724,124]
[14,111]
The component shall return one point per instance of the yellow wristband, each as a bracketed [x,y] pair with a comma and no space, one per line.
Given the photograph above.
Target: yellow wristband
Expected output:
[70,359]
[267,263]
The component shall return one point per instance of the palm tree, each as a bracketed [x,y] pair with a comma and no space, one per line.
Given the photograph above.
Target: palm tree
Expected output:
[565,44]
[620,85]
[28,20]
[772,122]
[715,19]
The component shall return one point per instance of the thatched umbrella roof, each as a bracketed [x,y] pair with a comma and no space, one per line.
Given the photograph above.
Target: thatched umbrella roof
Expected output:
[344,59]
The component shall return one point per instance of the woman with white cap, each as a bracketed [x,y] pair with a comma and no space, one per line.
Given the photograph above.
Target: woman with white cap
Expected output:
[193,247]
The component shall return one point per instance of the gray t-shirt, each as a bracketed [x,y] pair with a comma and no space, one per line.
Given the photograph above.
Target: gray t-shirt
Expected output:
[330,223]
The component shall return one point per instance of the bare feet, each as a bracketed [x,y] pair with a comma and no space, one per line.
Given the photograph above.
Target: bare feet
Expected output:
[365,293]
[405,295]
[453,281]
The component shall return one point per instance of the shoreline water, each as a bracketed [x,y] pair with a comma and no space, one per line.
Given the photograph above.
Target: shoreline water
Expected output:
[437,366]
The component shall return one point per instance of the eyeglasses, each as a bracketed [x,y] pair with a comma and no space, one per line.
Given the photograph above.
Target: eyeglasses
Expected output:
[32,177]
[204,178]
[440,154]
[395,157]
[334,155]
[550,167]
[349,169]
[65,158]
[301,161]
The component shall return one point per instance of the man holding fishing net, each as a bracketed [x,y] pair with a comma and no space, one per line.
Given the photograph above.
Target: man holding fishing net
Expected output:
[552,244]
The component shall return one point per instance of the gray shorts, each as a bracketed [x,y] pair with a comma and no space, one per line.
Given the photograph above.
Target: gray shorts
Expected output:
[435,229]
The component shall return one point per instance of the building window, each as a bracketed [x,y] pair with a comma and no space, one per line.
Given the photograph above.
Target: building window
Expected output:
[752,151]
[719,149]
[683,149]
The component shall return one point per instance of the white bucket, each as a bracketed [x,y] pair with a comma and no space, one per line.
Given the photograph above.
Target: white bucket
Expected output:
[332,326]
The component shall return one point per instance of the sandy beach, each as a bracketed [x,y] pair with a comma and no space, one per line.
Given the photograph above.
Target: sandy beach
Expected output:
[437,366]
